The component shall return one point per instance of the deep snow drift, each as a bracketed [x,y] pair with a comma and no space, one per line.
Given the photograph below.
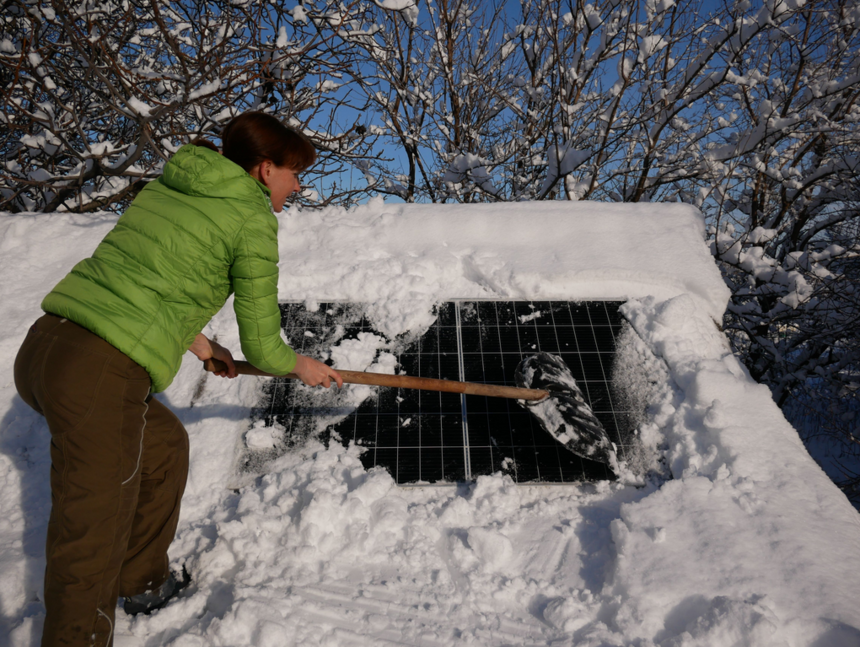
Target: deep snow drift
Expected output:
[724,532]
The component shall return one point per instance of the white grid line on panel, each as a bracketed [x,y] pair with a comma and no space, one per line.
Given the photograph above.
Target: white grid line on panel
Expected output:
[462,375]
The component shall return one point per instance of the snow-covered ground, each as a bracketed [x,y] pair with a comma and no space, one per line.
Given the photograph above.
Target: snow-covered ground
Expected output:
[742,541]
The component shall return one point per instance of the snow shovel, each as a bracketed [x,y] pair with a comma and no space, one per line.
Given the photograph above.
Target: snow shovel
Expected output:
[565,415]
[557,402]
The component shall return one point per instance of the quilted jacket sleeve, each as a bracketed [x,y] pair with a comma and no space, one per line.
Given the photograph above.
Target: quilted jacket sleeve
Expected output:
[255,282]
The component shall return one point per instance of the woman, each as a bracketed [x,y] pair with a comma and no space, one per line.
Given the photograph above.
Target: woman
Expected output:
[114,332]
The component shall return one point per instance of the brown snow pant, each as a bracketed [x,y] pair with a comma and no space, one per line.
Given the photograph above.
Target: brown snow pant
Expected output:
[119,460]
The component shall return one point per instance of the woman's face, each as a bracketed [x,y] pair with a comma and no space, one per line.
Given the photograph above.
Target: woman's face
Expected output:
[281,181]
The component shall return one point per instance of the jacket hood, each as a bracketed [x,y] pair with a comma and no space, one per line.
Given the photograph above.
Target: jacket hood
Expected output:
[200,171]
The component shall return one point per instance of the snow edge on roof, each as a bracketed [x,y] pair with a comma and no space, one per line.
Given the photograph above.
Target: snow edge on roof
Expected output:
[401,259]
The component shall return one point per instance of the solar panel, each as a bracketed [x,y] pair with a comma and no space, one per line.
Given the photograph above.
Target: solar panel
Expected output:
[429,437]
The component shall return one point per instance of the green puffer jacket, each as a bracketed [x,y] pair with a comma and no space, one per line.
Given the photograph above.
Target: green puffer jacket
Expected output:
[189,239]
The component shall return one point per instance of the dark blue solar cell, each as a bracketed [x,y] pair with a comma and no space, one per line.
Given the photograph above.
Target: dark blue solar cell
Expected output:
[430,401]
[453,464]
[604,338]
[488,368]
[487,313]
[430,428]
[428,343]
[579,314]
[408,465]
[560,314]
[471,339]
[448,339]
[509,339]
[446,314]
[449,366]
[432,469]
[452,429]
[479,429]
[481,459]
[548,340]
[490,342]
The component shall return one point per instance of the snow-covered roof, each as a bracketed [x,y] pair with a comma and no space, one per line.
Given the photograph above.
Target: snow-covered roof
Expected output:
[745,542]
[540,250]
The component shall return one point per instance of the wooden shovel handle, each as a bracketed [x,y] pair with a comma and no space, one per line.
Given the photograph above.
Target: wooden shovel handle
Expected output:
[398,381]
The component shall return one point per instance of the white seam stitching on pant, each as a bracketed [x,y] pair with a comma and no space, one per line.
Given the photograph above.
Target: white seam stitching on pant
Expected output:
[110,635]
[140,451]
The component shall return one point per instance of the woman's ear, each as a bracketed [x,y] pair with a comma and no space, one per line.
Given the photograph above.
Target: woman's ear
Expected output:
[265,171]
[257,173]
[262,171]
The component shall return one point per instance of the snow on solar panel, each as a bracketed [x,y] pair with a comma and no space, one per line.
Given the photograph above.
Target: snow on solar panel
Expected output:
[429,437]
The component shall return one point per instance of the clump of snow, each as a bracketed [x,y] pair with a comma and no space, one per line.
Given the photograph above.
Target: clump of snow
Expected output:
[260,437]
[298,14]
[732,535]
[537,314]
[362,354]
[207,88]
[138,106]
[469,167]
[357,354]
[407,8]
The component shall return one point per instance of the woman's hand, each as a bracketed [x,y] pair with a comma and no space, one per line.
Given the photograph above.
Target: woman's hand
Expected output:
[205,348]
[314,373]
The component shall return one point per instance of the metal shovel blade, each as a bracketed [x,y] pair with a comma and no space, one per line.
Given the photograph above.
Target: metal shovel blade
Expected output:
[564,414]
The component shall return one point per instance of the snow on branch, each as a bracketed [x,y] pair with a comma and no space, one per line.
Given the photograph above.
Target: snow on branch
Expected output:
[100,95]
